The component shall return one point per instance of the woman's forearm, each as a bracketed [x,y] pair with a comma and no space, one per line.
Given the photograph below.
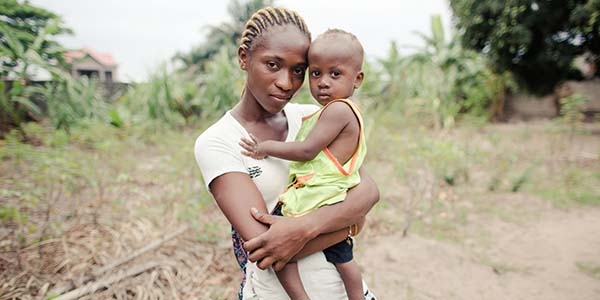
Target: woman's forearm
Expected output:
[287,236]
[329,239]
[321,242]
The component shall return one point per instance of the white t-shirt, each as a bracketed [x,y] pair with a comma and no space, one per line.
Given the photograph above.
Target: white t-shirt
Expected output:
[217,152]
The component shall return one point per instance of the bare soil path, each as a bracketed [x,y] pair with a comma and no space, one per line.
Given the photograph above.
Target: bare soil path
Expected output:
[540,258]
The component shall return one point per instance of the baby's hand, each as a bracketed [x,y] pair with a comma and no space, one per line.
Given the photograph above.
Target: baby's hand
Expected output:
[252,147]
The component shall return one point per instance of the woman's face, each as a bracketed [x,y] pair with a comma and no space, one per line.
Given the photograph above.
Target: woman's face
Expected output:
[275,66]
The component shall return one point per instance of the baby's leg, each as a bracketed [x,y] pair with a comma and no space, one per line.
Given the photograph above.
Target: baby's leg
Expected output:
[350,273]
[291,282]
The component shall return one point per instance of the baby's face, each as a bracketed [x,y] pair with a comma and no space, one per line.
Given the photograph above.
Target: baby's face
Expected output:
[333,70]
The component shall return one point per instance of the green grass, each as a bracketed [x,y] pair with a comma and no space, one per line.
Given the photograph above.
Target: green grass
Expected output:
[149,171]
[590,269]
[99,170]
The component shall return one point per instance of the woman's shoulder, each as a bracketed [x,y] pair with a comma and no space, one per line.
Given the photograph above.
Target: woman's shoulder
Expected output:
[224,129]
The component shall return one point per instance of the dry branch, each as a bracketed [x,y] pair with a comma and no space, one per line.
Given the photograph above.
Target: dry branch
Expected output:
[152,246]
[107,281]
[147,248]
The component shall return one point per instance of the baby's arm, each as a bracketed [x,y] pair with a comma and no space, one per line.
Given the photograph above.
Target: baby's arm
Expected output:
[334,118]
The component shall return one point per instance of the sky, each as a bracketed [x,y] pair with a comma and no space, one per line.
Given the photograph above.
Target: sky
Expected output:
[143,34]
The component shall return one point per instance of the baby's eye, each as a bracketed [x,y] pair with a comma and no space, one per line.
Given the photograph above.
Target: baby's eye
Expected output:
[336,74]
[315,73]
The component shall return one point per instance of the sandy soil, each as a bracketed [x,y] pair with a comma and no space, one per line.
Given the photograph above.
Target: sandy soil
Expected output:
[476,244]
[533,259]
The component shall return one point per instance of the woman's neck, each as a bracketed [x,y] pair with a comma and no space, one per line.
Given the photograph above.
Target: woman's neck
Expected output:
[256,120]
[249,111]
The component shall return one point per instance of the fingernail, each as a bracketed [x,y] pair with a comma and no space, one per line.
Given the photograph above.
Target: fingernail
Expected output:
[254,210]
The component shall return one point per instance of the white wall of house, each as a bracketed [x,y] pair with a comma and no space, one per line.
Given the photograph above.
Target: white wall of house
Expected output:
[88,66]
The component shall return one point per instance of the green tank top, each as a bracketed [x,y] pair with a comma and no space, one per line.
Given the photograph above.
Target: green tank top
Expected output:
[323,180]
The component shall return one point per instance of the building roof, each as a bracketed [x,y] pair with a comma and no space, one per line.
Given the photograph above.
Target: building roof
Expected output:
[103,58]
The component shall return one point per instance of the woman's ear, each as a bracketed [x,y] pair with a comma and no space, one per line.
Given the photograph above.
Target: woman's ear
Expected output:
[359,79]
[242,58]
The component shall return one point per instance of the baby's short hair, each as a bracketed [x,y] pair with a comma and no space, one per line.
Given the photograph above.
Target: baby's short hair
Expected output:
[336,32]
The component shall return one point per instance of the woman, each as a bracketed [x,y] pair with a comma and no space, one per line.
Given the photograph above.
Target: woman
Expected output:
[273,53]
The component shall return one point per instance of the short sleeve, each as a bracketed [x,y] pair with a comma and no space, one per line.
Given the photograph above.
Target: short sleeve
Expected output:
[216,155]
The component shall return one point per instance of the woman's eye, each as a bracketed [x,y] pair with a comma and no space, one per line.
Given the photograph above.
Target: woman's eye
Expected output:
[271,65]
[299,71]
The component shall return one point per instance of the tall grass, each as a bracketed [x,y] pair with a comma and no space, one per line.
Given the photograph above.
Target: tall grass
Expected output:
[179,98]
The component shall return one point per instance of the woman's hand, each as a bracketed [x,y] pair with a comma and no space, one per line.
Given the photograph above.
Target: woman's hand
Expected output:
[252,147]
[278,245]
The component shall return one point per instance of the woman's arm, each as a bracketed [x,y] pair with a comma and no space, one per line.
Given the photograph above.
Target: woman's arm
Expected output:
[275,246]
[327,240]
[235,193]
[237,196]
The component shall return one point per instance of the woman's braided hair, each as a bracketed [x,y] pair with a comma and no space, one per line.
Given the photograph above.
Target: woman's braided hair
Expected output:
[268,17]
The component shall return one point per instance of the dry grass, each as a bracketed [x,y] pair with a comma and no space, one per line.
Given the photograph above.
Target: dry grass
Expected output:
[72,209]
[180,268]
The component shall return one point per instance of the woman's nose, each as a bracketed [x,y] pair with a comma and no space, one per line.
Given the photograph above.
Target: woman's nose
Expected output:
[284,81]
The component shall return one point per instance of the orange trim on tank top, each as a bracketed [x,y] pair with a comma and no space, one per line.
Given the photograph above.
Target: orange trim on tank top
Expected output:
[334,159]
[301,180]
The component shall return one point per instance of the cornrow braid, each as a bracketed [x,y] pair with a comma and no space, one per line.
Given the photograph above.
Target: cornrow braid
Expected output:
[268,17]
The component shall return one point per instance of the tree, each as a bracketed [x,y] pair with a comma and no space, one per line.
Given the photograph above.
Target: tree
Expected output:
[455,79]
[536,40]
[21,27]
[227,34]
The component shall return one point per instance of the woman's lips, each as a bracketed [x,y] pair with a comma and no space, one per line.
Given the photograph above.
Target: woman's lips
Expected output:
[280,98]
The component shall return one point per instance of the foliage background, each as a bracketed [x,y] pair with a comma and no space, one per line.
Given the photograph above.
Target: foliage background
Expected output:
[86,179]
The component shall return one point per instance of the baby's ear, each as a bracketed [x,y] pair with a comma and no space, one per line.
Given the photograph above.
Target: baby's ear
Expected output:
[359,79]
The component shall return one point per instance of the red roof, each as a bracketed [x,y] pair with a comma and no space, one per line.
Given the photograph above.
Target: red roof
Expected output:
[102,57]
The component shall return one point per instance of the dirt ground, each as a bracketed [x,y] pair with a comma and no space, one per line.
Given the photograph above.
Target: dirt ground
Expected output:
[535,254]
[474,244]
[532,259]
[506,246]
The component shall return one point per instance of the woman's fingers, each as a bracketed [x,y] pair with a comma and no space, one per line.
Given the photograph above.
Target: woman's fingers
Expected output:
[278,265]
[252,245]
[257,255]
[259,241]
[266,219]
[265,263]
[280,243]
